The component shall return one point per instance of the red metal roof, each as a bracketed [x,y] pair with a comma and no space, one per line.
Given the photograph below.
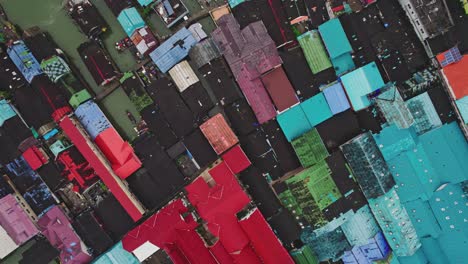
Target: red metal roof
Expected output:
[87,149]
[280,89]
[236,159]
[457,77]
[263,240]
[170,230]
[57,228]
[120,154]
[35,157]
[219,134]
[218,202]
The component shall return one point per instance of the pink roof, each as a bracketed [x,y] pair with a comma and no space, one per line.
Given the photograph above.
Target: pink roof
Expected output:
[251,45]
[219,134]
[256,94]
[57,228]
[236,159]
[15,221]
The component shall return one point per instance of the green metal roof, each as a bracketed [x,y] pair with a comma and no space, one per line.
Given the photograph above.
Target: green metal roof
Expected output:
[304,255]
[314,51]
[310,148]
[79,98]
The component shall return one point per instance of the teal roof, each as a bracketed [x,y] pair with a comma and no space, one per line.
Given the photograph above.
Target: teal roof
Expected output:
[293,122]
[462,105]
[6,112]
[423,218]
[343,64]
[145,2]
[130,20]
[424,113]
[234,3]
[316,109]
[361,82]
[117,255]
[417,258]
[447,149]
[335,39]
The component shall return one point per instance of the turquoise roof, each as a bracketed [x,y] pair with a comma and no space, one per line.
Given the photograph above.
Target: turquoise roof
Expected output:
[145,2]
[447,149]
[234,3]
[423,218]
[462,105]
[117,255]
[334,37]
[424,113]
[343,64]
[433,250]
[294,122]
[316,109]
[417,258]
[6,112]
[361,82]
[130,20]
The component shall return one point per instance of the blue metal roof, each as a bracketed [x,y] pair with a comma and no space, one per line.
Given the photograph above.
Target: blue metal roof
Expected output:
[316,109]
[335,39]
[173,50]
[92,118]
[130,20]
[336,98]
[6,112]
[294,122]
[361,82]
[24,60]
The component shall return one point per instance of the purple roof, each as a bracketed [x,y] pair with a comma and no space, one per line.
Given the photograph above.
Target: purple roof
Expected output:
[15,221]
[57,228]
[251,45]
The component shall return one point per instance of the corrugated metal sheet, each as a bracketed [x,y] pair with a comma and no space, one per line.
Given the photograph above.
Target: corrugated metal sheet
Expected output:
[120,154]
[424,113]
[361,82]
[7,245]
[115,185]
[79,98]
[314,51]
[15,221]
[309,148]
[280,89]
[204,52]
[219,134]
[197,31]
[391,104]
[56,227]
[117,255]
[130,20]
[462,105]
[6,111]
[316,109]
[256,95]
[455,74]
[334,37]
[145,2]
[24,60]
[336,98]
[390,214]
[361,227]
[183,75]
[144,40]
[294,123]
[236,159]
[92,118]
[173,50]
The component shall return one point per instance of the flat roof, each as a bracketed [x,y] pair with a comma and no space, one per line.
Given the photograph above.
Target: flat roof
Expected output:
[241,117]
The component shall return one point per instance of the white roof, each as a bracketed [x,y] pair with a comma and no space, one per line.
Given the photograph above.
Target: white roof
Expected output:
[7,245]
[145,251]
[183,75]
